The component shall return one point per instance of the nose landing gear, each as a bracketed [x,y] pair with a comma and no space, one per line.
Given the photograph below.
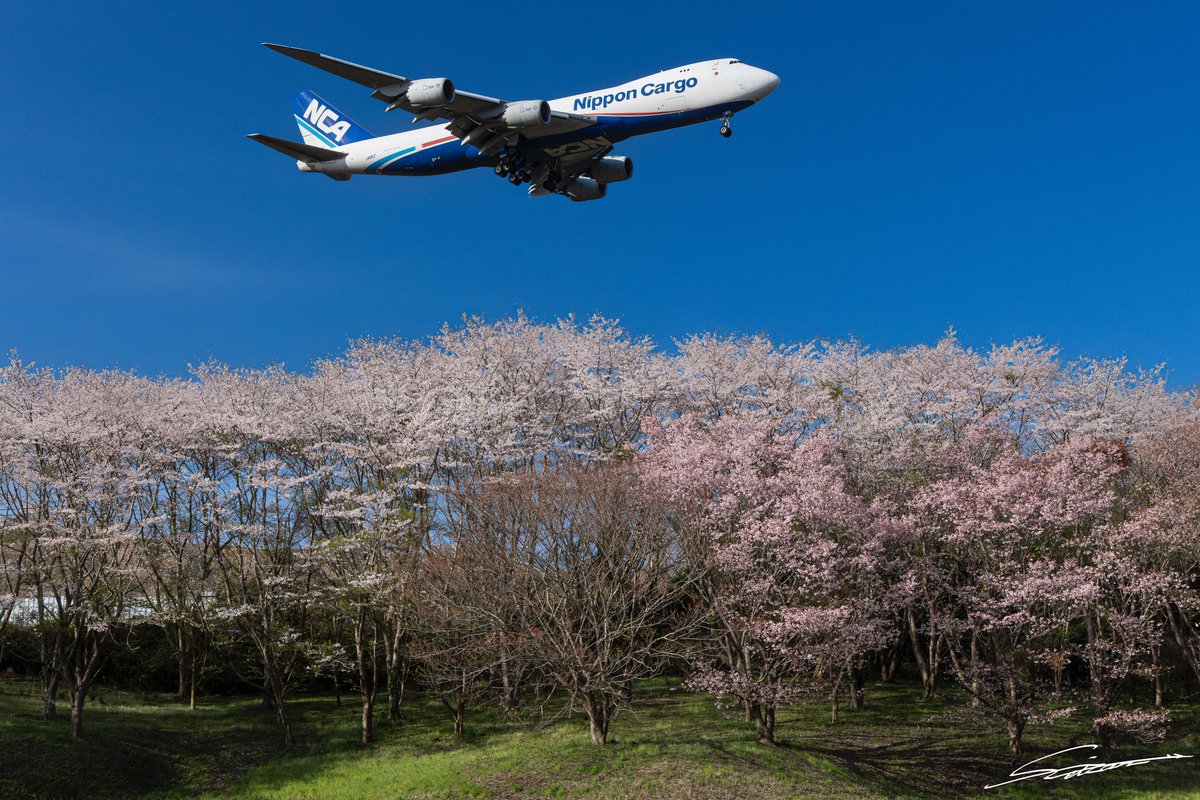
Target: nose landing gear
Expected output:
[726,128]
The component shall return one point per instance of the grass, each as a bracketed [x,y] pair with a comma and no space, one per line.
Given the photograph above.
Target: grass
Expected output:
[672,744]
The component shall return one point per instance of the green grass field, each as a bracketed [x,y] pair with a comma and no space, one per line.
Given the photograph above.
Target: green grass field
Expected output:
[671,745]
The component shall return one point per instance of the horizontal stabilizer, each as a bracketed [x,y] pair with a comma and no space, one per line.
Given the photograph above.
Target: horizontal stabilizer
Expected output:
[296,150]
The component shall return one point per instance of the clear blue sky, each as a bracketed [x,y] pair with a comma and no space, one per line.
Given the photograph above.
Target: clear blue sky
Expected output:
[1008,168]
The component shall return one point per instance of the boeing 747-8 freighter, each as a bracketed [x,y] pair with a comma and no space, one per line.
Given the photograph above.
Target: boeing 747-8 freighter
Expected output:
[559,146]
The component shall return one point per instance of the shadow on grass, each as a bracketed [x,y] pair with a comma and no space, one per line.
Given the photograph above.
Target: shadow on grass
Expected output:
[675,745]
[132,745]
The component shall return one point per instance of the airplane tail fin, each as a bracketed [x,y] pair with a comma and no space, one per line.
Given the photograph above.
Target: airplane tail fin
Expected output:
[322,125]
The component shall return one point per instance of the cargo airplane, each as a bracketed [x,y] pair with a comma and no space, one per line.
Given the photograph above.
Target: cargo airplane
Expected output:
[559,146]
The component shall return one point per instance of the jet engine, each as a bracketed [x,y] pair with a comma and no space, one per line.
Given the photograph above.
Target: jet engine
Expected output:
[526,113]
[583,189]
[612,169]
[430,92]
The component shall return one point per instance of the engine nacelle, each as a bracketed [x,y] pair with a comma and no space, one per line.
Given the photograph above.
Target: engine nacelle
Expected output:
[526,113]
[430,92]
[612,169]
[583,189]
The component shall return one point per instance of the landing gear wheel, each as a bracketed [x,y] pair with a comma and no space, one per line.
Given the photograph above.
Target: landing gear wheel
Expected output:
[514,179]
[726,131]
[502,170]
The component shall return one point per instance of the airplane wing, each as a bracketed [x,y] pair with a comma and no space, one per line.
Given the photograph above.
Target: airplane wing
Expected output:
[486,122]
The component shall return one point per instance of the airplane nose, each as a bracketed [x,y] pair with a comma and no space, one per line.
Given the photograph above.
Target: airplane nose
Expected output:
[762,82]
[770,82]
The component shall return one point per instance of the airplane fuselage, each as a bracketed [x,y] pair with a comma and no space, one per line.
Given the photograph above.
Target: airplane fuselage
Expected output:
[687,95]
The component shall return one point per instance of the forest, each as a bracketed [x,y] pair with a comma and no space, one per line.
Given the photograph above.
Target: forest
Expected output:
[539,517]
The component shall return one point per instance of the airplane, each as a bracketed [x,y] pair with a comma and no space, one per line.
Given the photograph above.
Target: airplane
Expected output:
[560,147]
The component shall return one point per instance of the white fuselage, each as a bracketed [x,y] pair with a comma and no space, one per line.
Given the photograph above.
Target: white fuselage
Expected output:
[672,98]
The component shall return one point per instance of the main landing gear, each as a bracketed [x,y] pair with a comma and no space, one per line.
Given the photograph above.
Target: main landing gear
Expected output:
[513,169]
[518,171]
[726,128]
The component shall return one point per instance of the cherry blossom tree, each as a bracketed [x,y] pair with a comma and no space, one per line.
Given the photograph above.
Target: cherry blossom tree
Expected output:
[1010,514]
[1165,536]
[72,456]
[1013,529]
[790,557]
[263,518]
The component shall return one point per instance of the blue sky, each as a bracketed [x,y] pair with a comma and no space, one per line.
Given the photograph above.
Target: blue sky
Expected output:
[1011,169]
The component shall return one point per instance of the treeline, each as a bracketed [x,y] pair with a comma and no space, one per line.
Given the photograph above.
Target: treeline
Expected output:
[538,515]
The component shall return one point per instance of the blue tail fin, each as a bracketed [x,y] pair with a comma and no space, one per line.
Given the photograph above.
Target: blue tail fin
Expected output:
[322,125]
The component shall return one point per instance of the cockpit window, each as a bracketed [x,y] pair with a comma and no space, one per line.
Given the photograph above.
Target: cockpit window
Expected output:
[735,61]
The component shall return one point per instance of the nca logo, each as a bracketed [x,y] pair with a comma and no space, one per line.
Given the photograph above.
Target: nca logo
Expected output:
[582,146]
[326,120]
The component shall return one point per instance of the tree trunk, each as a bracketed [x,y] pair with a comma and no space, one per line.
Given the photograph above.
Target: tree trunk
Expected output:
[192,701]
[284,721]
[1015,728]
[50,679]
[858,683]
[890,665]
[77,699]
[274,695]
[599,731]
[368,718]
[752,710]
[400,690]
[395,696]
[366,674]
[764,723]
[181,665]
[928,678]
[834,696]
[79,671]
[975,701]
[1095,679]
[512,698]
[511,685]
[1156,665]
[1185,640]
[1014,723]
[599,714]
[50,656]
[288,740]
[396,672]
[458,713]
